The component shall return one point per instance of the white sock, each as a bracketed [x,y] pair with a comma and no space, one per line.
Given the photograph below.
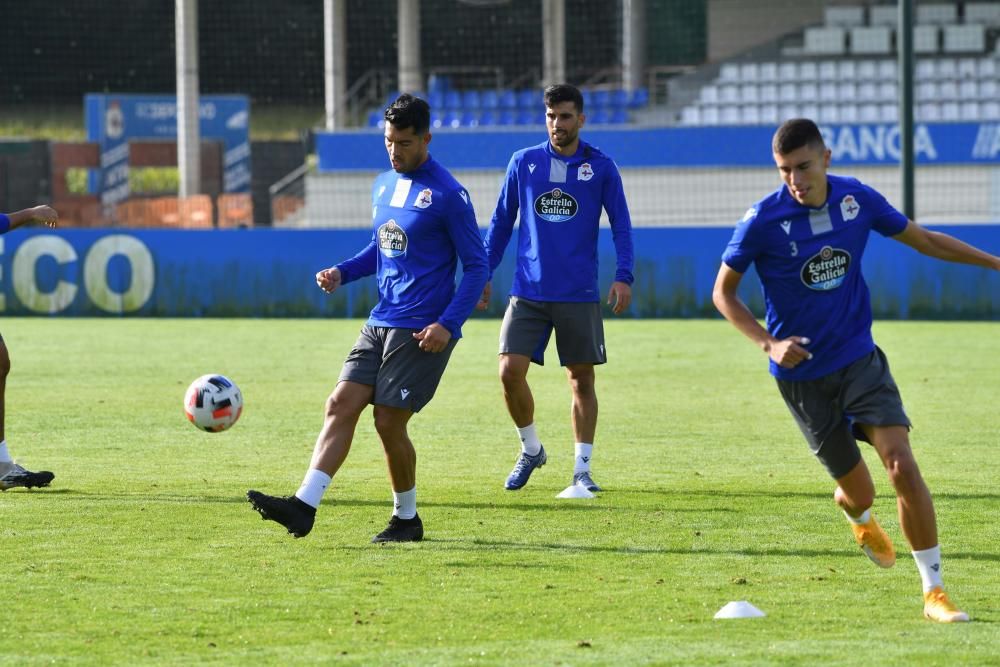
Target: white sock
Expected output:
[530,444]
[929,566]
[582,461]
[313,487]
[859,520]
[405,503]
[4,454]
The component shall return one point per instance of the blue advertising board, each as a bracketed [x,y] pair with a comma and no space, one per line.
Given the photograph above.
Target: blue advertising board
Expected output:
[271,273]
[112,120]
[875,144]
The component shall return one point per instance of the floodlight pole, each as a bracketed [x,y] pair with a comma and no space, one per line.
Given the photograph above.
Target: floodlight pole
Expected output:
[409,65]
[633,43]
[335,61]
[188,131]
[904,35]
[553,42]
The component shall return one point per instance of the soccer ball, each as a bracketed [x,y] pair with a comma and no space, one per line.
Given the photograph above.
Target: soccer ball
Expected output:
[213,403]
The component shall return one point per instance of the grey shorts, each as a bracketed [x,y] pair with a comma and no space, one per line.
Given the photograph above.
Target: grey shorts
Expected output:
[829,409]
[528,325]
[390,360]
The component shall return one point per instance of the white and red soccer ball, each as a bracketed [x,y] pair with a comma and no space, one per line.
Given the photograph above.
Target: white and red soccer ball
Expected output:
[213,403]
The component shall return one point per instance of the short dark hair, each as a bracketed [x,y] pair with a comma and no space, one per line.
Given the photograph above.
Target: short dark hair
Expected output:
[563,92]
[796,133]
[409,111]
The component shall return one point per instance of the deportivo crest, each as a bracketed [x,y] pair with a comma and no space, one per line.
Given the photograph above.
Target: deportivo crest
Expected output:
[424,198]
[392,239]
[555,206]
[585,172]
[826,269]
[849,207]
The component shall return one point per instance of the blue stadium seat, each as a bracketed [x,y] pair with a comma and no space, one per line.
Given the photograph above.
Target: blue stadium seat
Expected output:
[528,99]
[639,99]
[453,100]
[618,99]
[471,100]
[435,99]
[451,119]
[527,117]
[436,83]
[489,99]
[437,119]
[508,99]
[599,116]
[489,117]
[375,118]
[506,117]
[618,117]
[588,99]
[602,99]
[470,119]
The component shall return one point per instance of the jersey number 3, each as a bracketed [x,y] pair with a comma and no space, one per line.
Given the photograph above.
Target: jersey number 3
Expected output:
[795,248]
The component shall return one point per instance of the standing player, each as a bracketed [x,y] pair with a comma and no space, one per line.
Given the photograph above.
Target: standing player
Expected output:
[559,187]
[806,240]
[11,474]
[423,223]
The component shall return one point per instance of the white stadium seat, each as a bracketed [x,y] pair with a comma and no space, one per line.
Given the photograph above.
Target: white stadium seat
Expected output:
[847,69]
[938,14]
[990,110]
[824,40]
[690,115]
[969,110]
[926,91]
[847,15]
[867,91]
[769,114]
[808,92]
[749,72]
[808,71]
[964,38]
[709,94]
[925,38]
[828,70]
[710,116]
[749,93]
[868,113]
[968,67]
[847,92]
[809,110]
[885,15]
[866,70]
[947,68]
[928,112]
[968,89]
[989,89]
[987,13]
[788,111]
[888,113]
[987,68]
[730,115]
[788,92]
[729,93]
[888,91]
[768,72]
[788,71]
[751,115]
[829,113]
[848,113]
[729,72]
[871,40]
[949,111]
[768,93]
[926,69]
[948,90]
[887,69]
[828,92]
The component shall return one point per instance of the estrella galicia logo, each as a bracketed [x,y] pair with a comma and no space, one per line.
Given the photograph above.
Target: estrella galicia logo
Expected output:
[555,206]
[392,239]
[826,269]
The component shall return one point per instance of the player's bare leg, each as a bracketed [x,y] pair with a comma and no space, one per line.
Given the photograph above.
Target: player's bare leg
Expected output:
[297,513]
[401,458]
[521,406]
[583,415]
[916,517]
[11,474]
[855,494]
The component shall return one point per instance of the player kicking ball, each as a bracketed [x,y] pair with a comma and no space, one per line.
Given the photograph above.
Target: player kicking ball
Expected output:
[806,241]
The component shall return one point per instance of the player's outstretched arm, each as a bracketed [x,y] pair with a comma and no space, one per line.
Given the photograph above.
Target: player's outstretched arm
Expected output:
[944,246]
[43,215]
[787,353]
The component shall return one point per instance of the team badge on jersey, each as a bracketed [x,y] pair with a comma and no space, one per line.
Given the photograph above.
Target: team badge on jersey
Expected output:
[585,172]
[849,207]
[555,206]
[423,198]
[826,269]
[392,239]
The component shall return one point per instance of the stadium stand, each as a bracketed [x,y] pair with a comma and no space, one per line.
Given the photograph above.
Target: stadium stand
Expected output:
[848,65]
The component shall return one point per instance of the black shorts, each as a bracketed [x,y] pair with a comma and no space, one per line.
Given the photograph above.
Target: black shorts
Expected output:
[828,409]
[390,360]
[528,325]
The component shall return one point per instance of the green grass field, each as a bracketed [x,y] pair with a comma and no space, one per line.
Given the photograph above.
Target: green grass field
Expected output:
[144,551]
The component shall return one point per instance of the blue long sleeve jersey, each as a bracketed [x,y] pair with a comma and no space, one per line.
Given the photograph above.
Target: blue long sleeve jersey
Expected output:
[560,201]
[423,221]
[809,264]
